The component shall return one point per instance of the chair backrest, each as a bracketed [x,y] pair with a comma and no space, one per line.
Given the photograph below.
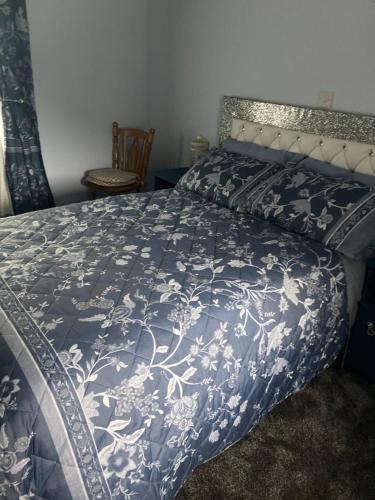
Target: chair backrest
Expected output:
[131,148]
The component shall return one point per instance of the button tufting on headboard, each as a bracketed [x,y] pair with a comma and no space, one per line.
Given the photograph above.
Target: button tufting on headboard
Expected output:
[353,156]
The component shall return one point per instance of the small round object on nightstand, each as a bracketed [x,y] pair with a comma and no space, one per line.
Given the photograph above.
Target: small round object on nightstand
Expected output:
[199,148]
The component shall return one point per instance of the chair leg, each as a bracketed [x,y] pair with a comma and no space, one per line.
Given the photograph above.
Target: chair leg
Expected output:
[92,193]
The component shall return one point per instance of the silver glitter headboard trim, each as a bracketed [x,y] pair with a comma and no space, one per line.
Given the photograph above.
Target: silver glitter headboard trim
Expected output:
[340,125]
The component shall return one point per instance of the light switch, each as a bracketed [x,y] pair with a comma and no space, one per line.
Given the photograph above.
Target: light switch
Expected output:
[326,98]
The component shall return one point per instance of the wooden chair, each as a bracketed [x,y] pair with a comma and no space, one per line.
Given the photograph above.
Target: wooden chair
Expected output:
[131,148]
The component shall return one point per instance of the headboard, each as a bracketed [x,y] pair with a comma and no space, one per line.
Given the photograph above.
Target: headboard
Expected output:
[345,140]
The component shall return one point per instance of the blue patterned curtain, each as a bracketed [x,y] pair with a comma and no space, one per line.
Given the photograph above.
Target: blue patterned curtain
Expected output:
[27,181]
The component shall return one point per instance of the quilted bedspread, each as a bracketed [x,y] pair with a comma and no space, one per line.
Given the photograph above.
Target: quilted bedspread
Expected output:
[141,335]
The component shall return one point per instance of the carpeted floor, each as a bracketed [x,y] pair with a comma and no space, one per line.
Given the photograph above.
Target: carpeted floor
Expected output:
[319,444]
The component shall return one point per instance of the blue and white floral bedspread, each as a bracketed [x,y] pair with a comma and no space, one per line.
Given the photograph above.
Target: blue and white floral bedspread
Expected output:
[143,334]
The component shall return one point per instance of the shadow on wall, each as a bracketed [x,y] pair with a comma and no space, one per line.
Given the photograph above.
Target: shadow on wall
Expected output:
[68,197]
[71,197]
[78,197]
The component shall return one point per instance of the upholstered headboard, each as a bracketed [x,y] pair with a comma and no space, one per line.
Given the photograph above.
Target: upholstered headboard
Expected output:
[346,140]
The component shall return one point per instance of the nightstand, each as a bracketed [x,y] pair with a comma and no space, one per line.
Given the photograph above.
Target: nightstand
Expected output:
[168,178]
[360,352]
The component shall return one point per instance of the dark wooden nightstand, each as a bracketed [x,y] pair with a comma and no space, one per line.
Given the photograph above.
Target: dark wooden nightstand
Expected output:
[360,352]
[168,178]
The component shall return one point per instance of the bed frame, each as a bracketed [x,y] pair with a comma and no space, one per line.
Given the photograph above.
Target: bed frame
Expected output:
[345,140]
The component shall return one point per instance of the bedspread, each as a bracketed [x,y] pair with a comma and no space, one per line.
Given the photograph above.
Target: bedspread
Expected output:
[143,334]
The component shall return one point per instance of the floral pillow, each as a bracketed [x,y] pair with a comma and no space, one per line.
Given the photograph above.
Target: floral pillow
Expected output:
[337,211]
[223,176]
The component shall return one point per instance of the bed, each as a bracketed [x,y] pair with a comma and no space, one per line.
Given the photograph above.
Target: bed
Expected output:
[141,335]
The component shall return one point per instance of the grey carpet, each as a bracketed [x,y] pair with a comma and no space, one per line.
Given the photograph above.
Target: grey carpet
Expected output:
[319,444]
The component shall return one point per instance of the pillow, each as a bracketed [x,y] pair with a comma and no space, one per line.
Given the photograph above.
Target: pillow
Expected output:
[333,171]
[336,211]
[260,152]
[222,176]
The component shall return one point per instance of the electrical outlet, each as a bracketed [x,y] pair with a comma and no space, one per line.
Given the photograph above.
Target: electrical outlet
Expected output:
[326,98]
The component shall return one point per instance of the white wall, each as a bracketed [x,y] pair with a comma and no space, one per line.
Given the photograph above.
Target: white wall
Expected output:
[285,51]
[167,64]
[90,67]
[161,58]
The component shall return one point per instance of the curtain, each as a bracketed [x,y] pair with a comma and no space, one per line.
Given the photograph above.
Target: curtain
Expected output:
[5,203]
[27,181]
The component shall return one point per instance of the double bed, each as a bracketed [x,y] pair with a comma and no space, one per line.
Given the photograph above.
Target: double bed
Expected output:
[142,335]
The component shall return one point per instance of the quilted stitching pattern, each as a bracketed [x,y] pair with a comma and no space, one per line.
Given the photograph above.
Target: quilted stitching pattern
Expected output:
[179,323]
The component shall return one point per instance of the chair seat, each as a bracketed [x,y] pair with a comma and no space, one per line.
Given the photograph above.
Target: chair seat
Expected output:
[110,177]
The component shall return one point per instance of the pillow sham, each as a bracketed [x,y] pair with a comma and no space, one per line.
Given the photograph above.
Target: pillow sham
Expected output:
[333,171]
[260,152]
[222,176]
[324,168]
[336,211]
